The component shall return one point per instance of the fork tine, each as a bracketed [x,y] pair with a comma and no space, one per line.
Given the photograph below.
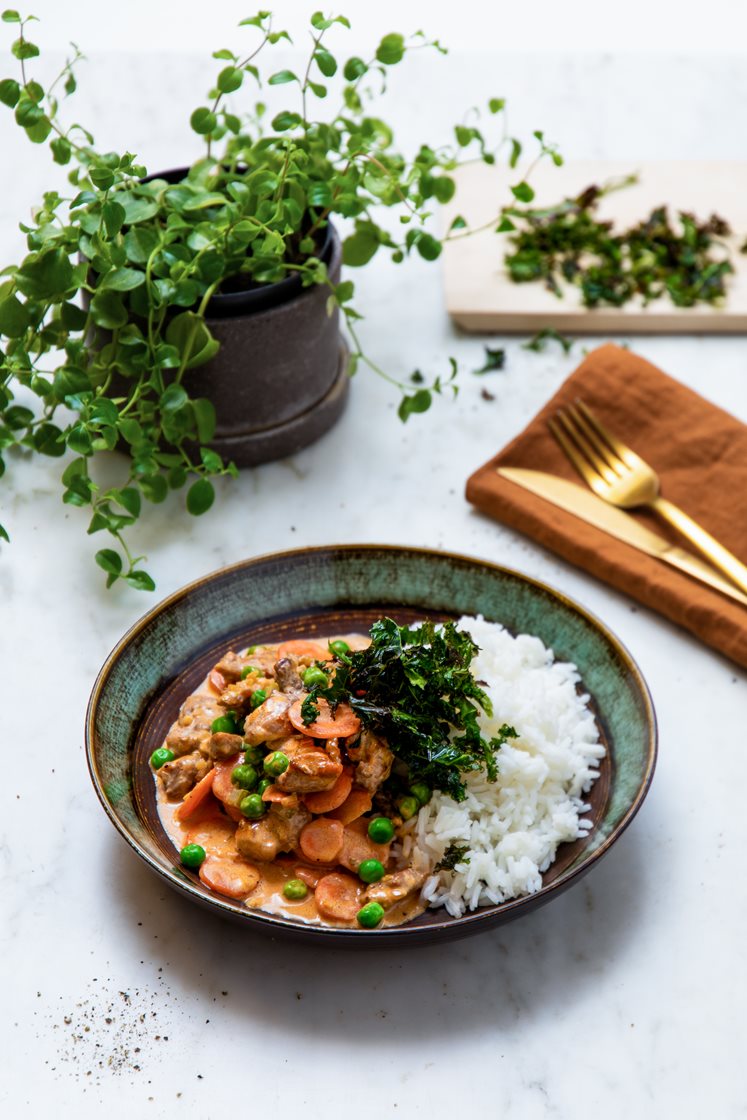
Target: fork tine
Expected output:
[622,450]
[604,449]
[588,474]
[585,446]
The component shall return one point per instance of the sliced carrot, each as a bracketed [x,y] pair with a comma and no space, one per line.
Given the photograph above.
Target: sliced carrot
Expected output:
[321,840]
[357,845]
[217,681]
[302,647]
[232,877]
[326,726]
[327,799]
[223,785]
[278,796]
[195,797]
[308,875]
[337,896]
[357,803]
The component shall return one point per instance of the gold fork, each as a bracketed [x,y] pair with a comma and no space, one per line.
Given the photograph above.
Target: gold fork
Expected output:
[622,478]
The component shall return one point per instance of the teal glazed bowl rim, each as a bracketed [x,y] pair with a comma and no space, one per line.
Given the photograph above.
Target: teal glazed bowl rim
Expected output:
[333,588]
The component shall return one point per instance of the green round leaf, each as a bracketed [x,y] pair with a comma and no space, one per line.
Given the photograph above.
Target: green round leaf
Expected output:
[285,120]
[108,310]
[203,121]
[282,77]
[173,398]
[23,49]
[319,194]
[200,497]
[14,318]
[28,112]
[34,91]
[326,62]
[46,275]
[73,318]
[114,216]
[204,414]
[129,498]
[109,560]
[139,244]
[230,79]
[155,487]
[49,440]
[522,192]
[354,69]
[418,402]
[79,440]
[18,417]
[358,249]
[101,177]
[190,335]
[122,279]
[428,246]
[444,188]
[140,580]
[38,133]
[61,150]
[391,50]
[10,91]
[10,15]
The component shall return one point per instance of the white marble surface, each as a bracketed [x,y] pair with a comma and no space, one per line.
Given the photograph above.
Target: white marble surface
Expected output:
[623,998]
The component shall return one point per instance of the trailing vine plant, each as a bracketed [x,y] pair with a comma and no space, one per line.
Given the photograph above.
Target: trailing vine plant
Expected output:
[106,313]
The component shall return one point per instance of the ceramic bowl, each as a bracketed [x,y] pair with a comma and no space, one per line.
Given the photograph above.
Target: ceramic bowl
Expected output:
[343,589]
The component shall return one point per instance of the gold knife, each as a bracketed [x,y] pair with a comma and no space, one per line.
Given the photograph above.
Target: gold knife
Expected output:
[585,505]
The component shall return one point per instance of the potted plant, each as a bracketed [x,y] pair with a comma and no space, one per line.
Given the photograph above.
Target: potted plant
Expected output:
[191,318]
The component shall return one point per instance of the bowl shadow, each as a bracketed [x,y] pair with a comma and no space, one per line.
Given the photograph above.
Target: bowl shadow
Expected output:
[523,971]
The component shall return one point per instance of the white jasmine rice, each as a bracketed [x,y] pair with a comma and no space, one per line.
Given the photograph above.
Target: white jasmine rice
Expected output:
[512,827]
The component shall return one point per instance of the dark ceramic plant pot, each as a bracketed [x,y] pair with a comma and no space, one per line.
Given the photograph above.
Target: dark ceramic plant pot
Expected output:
[280,379]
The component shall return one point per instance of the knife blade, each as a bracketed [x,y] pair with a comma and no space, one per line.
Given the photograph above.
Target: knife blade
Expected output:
[588,507]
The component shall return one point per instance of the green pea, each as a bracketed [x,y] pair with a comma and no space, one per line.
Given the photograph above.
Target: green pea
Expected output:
[258,697]
[160,757]
[421,792]
[381,830]
[339,646]
[253,806]
[370,915]
[371,870]
[295,889]
[247,670]
[253,756]
[276,764]
[244,776]
[192,855]
[408,807]
[314,675]
[264,783]
[225,724]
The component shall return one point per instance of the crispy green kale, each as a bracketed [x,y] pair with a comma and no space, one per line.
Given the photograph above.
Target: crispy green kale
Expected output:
[454,854]
[416,689]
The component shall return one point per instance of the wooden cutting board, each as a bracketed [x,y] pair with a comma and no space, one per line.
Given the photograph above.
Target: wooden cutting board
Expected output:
[481,297]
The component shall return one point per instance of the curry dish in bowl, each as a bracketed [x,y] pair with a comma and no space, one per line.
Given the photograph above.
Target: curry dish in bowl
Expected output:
[294,818]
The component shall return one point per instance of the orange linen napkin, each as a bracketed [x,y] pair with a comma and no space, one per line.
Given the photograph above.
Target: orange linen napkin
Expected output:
[700,454]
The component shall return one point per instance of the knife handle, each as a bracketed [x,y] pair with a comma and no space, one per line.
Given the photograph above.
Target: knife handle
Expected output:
[719,556]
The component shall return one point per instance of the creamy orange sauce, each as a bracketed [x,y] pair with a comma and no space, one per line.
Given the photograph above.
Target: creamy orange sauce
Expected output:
[211,828]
